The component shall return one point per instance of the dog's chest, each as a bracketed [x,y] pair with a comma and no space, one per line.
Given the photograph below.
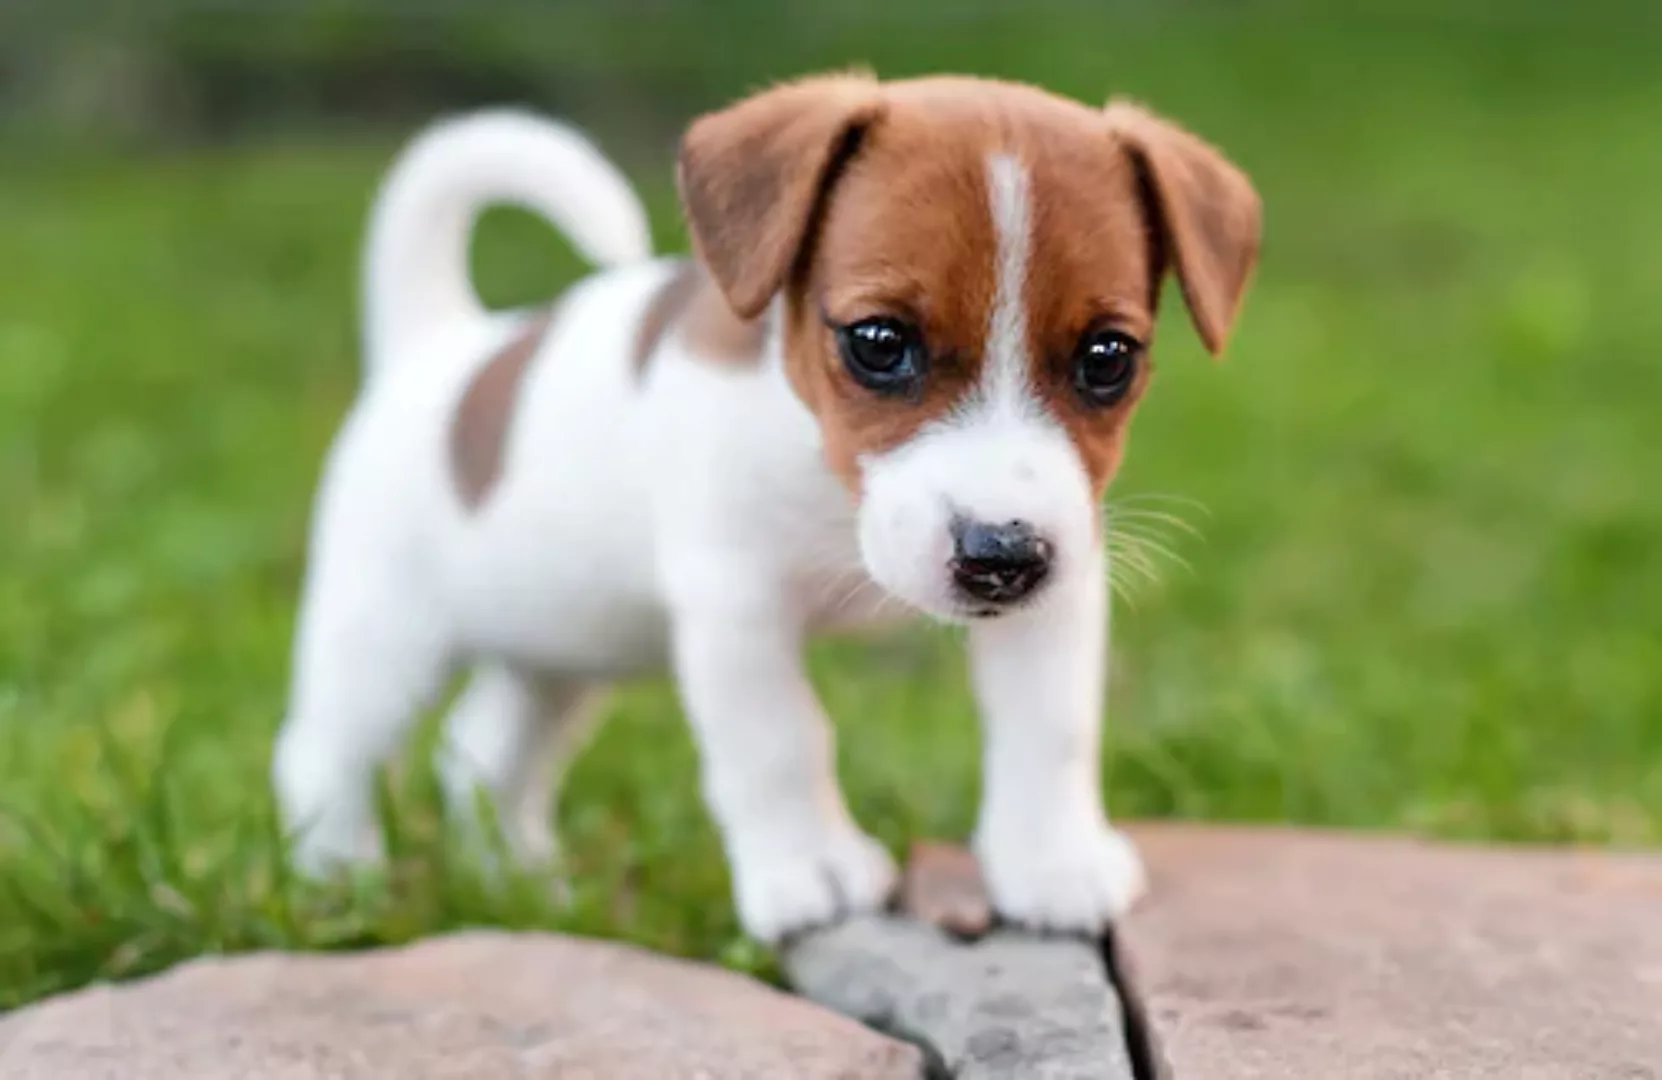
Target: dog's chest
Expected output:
[751,479]
[810,524]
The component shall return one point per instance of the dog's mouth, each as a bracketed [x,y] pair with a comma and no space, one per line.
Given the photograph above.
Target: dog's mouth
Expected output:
[989,612]
[964,609]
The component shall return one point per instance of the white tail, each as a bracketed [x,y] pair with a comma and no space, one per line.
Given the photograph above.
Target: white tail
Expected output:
[415,271]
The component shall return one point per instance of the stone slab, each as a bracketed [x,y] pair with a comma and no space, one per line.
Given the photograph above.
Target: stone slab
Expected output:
[989,1003]
[1004,1007]
[471,1006]
[1277,953]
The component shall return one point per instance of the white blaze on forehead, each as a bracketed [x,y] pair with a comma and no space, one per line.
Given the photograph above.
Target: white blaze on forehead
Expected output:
[998,456]
[1004,383]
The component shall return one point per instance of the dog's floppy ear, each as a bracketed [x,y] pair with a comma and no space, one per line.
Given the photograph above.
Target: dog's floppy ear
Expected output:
[1208,215]
[751,177]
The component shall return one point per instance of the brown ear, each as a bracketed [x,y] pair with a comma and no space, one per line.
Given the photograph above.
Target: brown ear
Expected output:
[751,177]
[1209,216]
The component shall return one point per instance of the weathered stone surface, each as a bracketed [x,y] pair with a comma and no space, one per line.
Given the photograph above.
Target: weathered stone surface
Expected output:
[474,1006]
[1266,953]
[1004,1007]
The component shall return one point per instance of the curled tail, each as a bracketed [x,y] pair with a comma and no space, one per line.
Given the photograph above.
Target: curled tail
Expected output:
[415,270]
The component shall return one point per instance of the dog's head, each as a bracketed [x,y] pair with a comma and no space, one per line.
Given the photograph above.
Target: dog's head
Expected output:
[968,273]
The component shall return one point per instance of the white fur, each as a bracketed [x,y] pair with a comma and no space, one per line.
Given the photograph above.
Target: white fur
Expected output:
[686,520]
[1004,382]
[1046,850]
[415,258]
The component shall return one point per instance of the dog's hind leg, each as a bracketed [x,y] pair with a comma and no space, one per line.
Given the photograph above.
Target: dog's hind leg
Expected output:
[367,662]
[505,747]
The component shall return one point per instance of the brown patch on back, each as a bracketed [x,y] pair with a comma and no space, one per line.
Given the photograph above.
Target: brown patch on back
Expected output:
[479,426]
[690,306]
[661,309]
[712,330]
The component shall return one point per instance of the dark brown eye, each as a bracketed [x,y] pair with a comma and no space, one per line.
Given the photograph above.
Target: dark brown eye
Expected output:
[884,355]
[1105,365]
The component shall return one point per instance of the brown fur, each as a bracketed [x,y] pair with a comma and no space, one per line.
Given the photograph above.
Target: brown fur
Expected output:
[860,200]
[1209,216]
[907,231]
[713,332]
[1092,265]
[689,305]
[662,309]
[751,175]
[479,426]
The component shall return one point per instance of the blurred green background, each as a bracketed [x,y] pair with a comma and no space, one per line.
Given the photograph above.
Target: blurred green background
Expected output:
[1425,591]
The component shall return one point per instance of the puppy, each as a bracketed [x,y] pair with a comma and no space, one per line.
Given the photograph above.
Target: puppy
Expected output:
[897,377]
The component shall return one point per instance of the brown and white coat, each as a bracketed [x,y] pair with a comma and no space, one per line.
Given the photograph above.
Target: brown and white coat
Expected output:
[695,463]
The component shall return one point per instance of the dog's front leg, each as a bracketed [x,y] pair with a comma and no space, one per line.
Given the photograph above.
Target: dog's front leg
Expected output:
[796,855]
[1049,857]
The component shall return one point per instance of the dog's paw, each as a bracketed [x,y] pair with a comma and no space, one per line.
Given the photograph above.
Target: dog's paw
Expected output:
[1068,882]
[782,889]
[321,853]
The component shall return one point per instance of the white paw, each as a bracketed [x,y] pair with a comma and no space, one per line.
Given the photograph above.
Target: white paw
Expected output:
[784,888]
[325,851]
[327,813]
[1075,881]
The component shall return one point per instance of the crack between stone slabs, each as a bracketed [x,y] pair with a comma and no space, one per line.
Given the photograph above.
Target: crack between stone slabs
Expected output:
[934,1065]
[1148,1062]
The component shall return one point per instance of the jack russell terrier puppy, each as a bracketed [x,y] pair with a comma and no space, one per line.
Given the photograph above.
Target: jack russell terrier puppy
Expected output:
[898,376]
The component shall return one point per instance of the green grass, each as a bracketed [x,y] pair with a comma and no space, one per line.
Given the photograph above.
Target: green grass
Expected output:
[1427,593]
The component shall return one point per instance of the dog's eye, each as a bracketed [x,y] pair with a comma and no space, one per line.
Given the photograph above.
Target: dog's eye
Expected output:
[882,354]
[1105,366]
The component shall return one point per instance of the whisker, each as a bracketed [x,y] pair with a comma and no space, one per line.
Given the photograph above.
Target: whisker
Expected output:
[1160,496]
[1148,548]
[1141,533]
[886,602]
[1140,540]
[860,584]
[843,582]
[1150,518]
[1139,562]
[1120,588]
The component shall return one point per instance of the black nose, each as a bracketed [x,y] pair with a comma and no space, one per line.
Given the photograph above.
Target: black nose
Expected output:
[998,564]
